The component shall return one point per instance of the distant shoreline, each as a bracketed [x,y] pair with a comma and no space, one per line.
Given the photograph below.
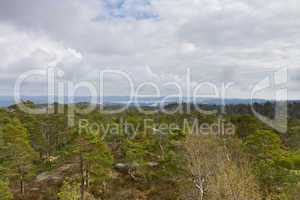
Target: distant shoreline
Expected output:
[7,101]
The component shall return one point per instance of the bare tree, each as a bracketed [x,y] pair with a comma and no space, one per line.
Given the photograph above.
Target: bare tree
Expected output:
[233,182]
[214,174]
[204,155]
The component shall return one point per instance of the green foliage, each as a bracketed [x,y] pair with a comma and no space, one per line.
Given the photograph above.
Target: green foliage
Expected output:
[293,137]
[17,155]
[94,159]
[5,194]
[273,164]
[245,125]
[94,153]
[291,192]
[290,160]
[69,191]
[155,157]
[263,145]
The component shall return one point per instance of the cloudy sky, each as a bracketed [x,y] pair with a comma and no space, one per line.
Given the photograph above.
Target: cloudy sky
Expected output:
[220,41]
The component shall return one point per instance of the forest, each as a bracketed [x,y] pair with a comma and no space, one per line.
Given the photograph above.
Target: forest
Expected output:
[100,158]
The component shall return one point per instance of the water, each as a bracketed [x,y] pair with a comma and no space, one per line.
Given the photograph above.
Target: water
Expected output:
[6,101]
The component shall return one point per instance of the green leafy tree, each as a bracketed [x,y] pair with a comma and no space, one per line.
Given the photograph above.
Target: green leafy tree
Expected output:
[265,149]
[245,125]
[264,145]
[135,154]
[17,155]
[153,155]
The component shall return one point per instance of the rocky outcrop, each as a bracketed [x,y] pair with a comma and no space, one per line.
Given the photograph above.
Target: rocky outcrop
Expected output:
[46,185]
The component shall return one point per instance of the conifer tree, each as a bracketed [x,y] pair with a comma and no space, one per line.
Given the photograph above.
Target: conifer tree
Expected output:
[17,155]
[94,159]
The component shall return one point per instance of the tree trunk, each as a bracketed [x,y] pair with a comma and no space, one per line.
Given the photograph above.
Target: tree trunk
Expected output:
[22,187]
[87,179]
[200,185]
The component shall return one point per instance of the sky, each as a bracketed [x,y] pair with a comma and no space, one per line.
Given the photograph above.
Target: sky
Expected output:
[240,42]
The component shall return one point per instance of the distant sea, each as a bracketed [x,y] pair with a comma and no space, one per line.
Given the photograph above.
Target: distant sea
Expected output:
[6,101]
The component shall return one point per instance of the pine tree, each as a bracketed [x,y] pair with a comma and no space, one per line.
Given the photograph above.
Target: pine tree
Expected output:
[94,159]
[17,155]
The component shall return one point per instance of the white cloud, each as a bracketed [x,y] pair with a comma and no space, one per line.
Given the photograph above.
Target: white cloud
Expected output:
[23,51]
[219,40]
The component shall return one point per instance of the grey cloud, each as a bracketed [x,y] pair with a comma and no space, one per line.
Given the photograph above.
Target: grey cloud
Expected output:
[220,41]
